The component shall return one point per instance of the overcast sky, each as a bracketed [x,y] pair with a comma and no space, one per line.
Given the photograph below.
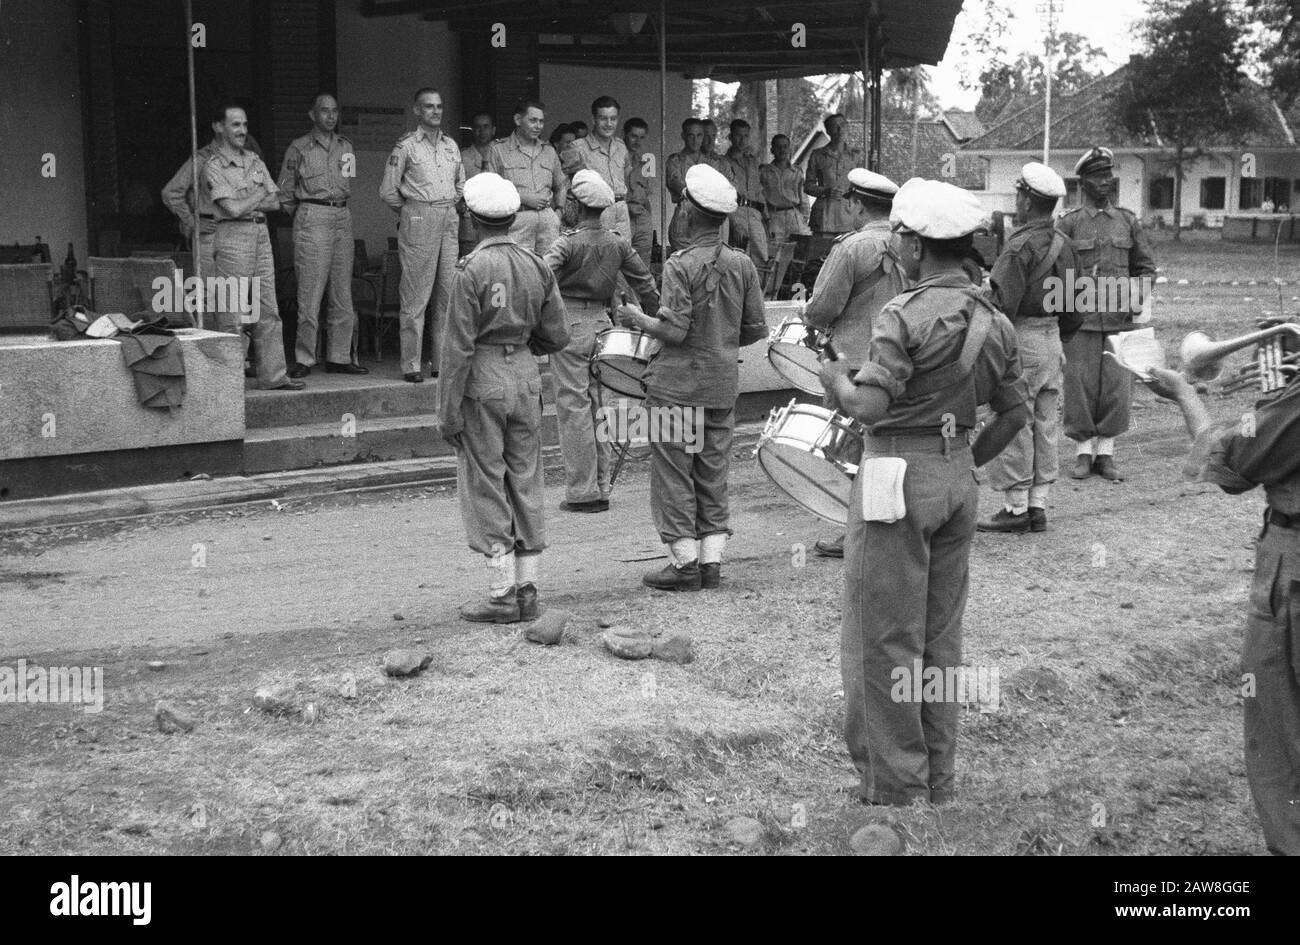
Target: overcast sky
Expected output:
[1110,24]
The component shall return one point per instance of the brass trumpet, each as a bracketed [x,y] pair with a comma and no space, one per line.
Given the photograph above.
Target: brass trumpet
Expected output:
[1277,357]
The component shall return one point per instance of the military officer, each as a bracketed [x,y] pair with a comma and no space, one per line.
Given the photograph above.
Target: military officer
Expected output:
[675,177]
[242,193]
[747,226]
[533,167]
[178,196]
[422,183]
[711,306]
[587,263]
[505,307]
[1110,244]
[783,194]
[936,352]
[860,275]
[315,180]
[1036,253]
[1238,459]
[638,189]
[603,152]
[828,180]
[475,158]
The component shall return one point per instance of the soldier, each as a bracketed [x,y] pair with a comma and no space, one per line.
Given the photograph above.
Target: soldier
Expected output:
[828,180]
[603,152]
[178,196]
[475,159]
[1035,254]
[711,306]
[423,182]
[861,274]
[675,178]
[242,193]
[638,189]
[316,183]
[533,167]
[1111,245]
[747,226]
[783,194]
[505,307]
[936,352]
[587,263]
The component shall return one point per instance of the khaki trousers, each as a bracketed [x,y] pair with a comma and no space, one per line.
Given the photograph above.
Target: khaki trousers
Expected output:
[535,229]
[243,250]
[322,253]
[427,245]
[1031,459]
[578,398]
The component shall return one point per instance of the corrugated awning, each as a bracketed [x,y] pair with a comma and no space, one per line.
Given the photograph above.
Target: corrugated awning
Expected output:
[726,40]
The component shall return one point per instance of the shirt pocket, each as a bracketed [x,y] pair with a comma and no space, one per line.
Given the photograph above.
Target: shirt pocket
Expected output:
[1119,250]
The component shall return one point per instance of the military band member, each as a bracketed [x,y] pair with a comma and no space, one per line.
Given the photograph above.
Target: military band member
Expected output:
[1111,245]
[638,189]
[475,158]
[710,307]
[242,193]
[747,227]
[505,307]
[1238,457]
[1035,253]
[315,180]
[587,263]
[783,193]
[178,196]
[423,183]
[936,352]
[828,180]
[533,166]
[604,152]
[861,274]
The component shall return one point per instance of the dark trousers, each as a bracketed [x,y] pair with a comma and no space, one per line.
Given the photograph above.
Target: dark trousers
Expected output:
[688,487]
[1097,390]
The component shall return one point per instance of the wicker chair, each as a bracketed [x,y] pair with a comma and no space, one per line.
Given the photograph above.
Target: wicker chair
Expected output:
[126,285]
[26,297]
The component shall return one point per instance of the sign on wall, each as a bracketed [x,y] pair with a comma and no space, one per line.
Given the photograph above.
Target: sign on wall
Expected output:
[372,128]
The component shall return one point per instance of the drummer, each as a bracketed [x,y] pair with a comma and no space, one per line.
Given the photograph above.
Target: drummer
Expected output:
[587,262]
[712,306]
[860,275]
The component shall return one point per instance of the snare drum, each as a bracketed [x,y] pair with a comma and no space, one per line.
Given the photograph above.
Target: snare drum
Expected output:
[619,360]
[794,348]
[812,454]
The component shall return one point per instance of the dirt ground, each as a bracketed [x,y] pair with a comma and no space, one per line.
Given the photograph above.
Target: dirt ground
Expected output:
[1116,635]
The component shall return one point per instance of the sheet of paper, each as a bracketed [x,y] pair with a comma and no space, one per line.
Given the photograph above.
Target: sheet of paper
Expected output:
[1137,351]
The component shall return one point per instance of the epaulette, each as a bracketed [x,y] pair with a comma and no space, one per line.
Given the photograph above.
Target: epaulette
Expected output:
[908,295]
[406,137]
[1065,213]
[344,138]
[843,236]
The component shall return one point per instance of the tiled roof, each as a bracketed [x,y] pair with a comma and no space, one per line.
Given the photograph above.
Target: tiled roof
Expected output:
[964,125]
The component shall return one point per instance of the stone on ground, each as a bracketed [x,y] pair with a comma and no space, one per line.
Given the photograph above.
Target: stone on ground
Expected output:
[275,700]
[172,718]
[405,662]
[548,629]
[673,648]
[876,840]
[745,830]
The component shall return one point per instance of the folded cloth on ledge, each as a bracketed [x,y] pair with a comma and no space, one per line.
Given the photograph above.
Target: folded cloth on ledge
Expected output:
[157,364]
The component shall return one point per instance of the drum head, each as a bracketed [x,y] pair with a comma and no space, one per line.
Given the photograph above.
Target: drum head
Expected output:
[797,364]
[807,479]
[620,374]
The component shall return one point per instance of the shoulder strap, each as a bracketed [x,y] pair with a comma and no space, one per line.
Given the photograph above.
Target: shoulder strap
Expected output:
[978,324]
[1053,254]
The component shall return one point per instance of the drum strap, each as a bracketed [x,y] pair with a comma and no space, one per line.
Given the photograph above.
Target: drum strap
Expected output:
[978,323]
[1053,254]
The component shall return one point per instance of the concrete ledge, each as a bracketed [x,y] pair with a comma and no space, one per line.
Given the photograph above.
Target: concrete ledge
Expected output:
[34,476]
[66,397]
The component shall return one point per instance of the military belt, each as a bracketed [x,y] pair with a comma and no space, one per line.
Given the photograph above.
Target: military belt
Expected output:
[255,218]
[324,203]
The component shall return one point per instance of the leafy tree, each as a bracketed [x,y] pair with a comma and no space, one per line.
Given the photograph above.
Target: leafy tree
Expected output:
[1279,51]
[1187,88]
[1075,63]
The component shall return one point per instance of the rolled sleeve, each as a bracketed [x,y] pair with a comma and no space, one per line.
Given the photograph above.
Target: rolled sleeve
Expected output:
[888,365]
[219,186]
[389,191]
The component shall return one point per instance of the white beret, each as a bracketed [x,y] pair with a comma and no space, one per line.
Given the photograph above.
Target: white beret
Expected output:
[1097,159]
[1041,180]
[710,191]
[591,190]
[936,210]
[872,184]
[491,197]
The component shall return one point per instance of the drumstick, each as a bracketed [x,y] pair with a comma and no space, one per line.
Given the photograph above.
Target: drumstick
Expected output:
[830,351]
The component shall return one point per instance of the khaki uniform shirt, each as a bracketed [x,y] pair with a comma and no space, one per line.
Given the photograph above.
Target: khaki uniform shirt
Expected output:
[924,329]
[534,169]
[1110,244]
[746,175]
[861,274]
[313,168]
[178,193]
[713,292]
[473,161]
[827,168]
[533,315]
[1023,253]
[782,187]
[587,261]
[638,189]
[609,161]
[421,169]
[236,176]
